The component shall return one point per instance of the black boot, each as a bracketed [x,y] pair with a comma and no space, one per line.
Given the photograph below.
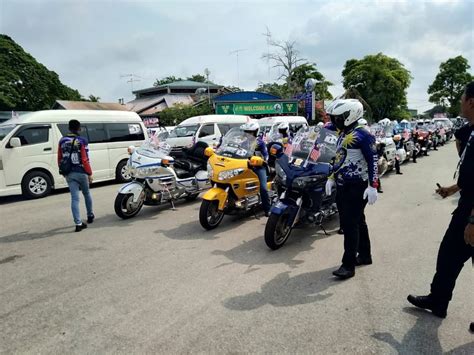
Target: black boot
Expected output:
[439,309]
[344,272]
[471,327]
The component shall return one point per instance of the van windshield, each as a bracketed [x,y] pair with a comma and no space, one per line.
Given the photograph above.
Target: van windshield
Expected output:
[5,129]
[184,131]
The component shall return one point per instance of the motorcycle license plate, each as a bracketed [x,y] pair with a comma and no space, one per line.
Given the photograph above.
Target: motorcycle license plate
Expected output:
[298,162]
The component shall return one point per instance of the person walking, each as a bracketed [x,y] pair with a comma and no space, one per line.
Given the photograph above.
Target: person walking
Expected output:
[74,165]
[355,173]
[458,242]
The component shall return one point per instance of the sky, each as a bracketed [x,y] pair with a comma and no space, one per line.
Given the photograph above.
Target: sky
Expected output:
[94,44]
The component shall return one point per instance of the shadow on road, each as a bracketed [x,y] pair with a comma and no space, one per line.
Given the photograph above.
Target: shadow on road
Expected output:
[286,291]
[422,338]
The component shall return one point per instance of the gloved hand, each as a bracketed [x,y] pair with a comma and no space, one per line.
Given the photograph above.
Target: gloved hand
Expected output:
[329,185]
[370,194]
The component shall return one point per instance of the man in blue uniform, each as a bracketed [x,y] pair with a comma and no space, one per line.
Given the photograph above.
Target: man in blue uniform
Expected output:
[355,173]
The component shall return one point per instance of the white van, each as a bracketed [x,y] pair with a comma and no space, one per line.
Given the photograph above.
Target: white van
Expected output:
[208,128]
[295,122]
[29,146]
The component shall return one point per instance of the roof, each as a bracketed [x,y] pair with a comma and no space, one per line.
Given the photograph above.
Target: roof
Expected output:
[152,104]
[180,84]
[87,105]
[246,96]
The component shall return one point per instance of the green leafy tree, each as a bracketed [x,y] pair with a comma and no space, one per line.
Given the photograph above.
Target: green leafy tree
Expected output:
[25,84]
[448,86]
[382,81]
[307,71]
[280,90]
[93,98]
[197,77]
[177,113]
[166,80]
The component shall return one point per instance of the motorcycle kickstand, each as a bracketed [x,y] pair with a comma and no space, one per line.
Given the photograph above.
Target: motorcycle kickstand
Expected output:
[324,229]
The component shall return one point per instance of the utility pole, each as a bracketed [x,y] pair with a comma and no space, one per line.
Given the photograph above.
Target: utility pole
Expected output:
[207,72]
[236,52]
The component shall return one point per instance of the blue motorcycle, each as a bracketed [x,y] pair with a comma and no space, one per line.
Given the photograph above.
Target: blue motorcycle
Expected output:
[302,169]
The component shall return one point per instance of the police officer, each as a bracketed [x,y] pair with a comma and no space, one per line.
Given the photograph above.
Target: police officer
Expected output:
[458,242]
[253,128]
[355,173]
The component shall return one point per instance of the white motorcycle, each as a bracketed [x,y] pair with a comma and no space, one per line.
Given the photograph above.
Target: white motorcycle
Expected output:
[157,178]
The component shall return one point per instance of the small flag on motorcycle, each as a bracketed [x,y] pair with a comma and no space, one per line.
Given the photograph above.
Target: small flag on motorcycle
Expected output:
[315,153]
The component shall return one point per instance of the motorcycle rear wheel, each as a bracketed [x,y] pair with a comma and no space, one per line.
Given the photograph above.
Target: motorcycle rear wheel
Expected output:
[277,231]
[209,215]
[124,206]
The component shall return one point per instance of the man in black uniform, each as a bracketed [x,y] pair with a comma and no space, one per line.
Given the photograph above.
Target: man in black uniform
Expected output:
[458,242]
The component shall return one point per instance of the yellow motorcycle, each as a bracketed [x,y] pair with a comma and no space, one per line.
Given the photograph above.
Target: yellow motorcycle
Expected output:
[235,186]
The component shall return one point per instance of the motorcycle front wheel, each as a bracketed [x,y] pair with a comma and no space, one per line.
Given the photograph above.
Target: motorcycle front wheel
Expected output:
[125,207]
[277,231]
[209,215]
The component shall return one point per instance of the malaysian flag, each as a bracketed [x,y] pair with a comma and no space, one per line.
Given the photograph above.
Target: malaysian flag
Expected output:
[288,149]
[315,153]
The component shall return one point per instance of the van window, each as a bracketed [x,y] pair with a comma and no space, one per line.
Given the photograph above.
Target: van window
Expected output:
[33,135]
[206,130]
[64,129]
[224,128]
[121,132]
[95,132]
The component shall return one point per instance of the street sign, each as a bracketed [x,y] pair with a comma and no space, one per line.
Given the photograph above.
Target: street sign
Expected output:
[257,108]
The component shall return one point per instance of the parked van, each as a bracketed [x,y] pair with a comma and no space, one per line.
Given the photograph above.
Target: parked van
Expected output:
[295,122]
[29,145]
[208,128]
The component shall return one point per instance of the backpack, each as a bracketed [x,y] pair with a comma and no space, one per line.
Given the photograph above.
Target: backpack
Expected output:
[65,165]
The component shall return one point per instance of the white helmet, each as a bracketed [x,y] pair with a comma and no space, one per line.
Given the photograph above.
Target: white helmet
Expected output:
[395,122]
[346,111]
[363,122]
[404,121]
[284,126]
[385,122]
[427,121]
[250,127]
[320,125]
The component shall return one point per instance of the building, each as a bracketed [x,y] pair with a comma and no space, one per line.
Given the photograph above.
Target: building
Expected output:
[149,102]
[87,105]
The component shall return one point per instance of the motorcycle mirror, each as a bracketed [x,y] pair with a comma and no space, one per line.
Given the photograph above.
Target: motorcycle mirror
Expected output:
[209,152]
[131,149]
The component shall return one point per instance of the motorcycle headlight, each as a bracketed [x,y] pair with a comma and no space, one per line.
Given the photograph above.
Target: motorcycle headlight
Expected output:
[280,172]
[210,171]
[301,181]
[229,174]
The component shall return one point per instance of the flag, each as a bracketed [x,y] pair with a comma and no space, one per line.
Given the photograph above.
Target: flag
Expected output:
[315,153]
[289,149]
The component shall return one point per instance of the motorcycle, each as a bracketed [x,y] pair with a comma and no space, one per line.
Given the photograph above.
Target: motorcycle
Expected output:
[157,178]
[385,146]
[300,181]
[423,138]
[235,186]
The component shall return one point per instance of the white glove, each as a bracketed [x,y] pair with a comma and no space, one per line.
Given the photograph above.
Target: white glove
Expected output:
[329,185]
[370,194]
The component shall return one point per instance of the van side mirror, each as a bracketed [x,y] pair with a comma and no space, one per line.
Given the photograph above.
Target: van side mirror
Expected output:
[15,142]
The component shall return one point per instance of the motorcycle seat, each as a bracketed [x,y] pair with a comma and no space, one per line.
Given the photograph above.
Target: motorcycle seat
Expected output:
[183,174]
[190,166]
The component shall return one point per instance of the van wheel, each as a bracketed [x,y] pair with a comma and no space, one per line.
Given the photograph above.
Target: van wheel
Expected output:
[36,184]
[122,173]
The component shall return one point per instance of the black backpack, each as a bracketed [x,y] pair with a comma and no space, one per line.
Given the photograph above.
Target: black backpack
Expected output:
[65,165]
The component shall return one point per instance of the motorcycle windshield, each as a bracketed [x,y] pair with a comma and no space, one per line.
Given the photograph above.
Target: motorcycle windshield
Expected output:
[313,144]
[237,144]
[274,136]
[377,130]
[154,148]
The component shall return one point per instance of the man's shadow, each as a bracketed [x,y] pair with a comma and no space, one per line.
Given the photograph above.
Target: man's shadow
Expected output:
[286,291]
[422,338]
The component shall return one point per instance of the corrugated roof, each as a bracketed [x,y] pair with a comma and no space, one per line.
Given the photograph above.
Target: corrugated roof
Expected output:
[153,104]
[86,105]
[139,105]
[188,84]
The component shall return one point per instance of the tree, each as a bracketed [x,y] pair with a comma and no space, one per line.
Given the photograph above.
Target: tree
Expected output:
[307,71]
[166,80]
[172,116]
[25,84]
[382,81]
[448,86]
[197,77]
[280,90]
[93,98]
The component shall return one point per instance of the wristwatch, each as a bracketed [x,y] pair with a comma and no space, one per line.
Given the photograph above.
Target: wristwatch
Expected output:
[471,219]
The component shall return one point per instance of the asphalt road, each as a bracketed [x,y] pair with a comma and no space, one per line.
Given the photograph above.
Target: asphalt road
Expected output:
[160,284]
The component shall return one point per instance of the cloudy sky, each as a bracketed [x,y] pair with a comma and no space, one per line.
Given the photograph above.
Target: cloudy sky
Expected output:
[91,44]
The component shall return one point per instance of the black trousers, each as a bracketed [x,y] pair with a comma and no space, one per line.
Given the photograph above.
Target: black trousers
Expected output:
[351,206]
[452,255]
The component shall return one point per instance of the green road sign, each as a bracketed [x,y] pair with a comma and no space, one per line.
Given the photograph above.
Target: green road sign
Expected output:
[257,108]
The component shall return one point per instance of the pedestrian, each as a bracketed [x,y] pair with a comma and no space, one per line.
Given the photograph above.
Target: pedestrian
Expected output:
[355,174]
[462,136]
[73,162]
[458,242]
